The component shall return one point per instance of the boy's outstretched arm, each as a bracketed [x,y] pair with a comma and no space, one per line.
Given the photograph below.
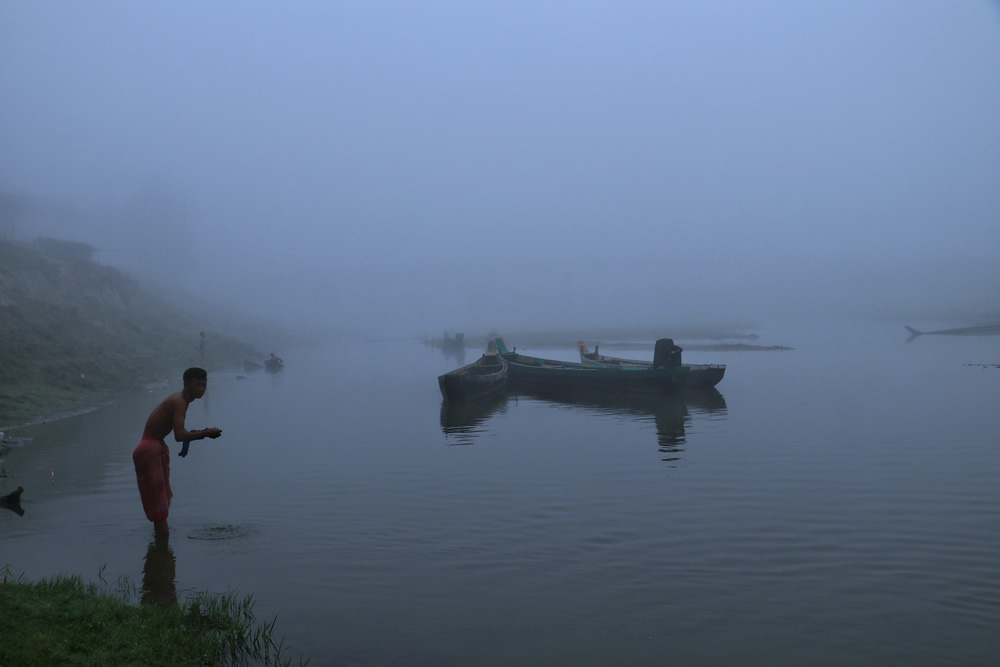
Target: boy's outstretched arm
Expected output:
[202,433]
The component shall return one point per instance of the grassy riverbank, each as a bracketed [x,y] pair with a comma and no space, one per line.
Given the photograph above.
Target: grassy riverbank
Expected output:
[67,622]
[76,333]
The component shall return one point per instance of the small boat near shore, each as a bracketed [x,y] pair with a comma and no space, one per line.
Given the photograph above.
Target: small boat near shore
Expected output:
[274,363]
[665,374]
[485,377]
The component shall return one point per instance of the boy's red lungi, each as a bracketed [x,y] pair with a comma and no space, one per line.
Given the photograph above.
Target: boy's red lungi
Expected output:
[152,472]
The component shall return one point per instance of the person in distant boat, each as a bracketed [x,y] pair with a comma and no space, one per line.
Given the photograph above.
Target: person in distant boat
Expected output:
[202,350]
[151,456]
[275,361]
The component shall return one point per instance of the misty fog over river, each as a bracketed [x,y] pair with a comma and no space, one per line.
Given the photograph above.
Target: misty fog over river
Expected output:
[831,504]
[341,173]
[393,169]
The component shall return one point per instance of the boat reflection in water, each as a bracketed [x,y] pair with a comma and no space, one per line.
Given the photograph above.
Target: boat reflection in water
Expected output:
[670,412]
[464,421]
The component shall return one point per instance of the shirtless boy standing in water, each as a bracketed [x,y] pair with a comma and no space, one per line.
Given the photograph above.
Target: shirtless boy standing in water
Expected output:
[151,456]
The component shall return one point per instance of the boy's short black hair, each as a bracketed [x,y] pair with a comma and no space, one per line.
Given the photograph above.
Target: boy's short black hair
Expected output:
[195,374]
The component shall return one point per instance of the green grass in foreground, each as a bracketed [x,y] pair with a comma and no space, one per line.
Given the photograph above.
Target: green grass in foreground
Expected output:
[65,621]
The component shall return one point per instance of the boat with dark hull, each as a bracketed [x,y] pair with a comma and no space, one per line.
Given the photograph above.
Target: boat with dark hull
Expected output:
[665,374]
[588,358]
[483,378]
[664,349]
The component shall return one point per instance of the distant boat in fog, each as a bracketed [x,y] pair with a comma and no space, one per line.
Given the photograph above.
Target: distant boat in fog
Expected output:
[447,342]
[984,330]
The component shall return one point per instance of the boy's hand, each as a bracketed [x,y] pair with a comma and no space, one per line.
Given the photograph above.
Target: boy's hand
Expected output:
[209,433]
[184,449]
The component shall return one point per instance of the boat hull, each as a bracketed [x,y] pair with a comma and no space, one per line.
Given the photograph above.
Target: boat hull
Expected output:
[530,371]
[697,375]
[476,381]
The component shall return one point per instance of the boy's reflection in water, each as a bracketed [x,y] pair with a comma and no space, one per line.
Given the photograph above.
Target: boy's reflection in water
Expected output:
[158,574]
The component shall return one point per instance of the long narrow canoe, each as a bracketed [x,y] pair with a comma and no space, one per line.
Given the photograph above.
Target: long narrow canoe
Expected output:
[485,377]
[647,378]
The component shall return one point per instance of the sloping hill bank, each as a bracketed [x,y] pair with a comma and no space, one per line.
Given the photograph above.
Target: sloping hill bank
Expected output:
[74,333]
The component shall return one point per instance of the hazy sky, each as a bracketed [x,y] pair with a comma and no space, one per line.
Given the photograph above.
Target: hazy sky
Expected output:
[417,166]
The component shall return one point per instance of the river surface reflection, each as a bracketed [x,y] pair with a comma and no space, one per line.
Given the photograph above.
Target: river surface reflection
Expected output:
[462,422]
[671,414]
[832,504]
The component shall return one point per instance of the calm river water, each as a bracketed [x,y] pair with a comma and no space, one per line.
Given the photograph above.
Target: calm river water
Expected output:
[834,504]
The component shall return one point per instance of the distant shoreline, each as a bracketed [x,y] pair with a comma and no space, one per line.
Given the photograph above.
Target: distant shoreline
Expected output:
[82,407]
[58,414]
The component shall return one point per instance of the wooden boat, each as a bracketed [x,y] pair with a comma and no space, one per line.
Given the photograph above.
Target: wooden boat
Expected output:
[487,376]
[665,374]
[588,358]
[665,349]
